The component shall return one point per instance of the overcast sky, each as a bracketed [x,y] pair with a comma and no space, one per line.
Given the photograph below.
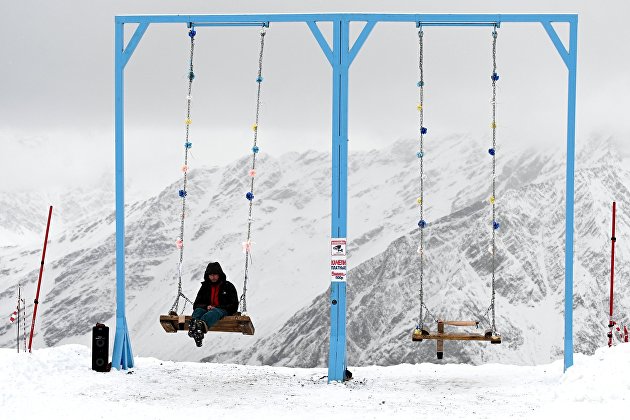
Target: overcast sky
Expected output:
[57,81]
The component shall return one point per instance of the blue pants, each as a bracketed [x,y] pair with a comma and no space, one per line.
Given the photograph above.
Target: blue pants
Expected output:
[210,317]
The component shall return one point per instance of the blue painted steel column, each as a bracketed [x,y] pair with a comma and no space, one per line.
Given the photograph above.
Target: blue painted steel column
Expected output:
[340,49]
[570,198]
[122,356]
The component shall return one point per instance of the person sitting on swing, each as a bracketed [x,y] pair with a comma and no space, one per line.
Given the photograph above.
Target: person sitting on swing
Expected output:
[216,298]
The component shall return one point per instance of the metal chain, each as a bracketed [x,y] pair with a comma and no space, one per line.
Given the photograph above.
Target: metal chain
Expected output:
[183,191]
[430,314]
[494,166]
[485,320]
[420,322]
[243,300]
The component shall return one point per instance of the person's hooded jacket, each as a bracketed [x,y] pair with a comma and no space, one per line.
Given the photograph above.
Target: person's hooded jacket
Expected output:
[221,294]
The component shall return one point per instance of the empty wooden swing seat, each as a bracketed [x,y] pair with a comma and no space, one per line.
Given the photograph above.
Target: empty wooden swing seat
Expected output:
[440,335]
[232,323]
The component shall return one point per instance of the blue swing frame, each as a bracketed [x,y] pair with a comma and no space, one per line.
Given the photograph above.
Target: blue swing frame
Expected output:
[340,55]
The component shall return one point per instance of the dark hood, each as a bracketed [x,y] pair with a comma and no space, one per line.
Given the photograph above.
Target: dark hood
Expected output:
[214,268]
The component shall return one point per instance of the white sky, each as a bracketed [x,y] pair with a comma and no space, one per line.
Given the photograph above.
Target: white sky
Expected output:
[57,76]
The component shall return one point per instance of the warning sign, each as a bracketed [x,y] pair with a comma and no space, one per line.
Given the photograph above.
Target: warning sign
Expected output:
[338,247]
[338,259]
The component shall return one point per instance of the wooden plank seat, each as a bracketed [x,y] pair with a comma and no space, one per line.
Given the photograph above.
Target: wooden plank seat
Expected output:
[487,336]
[440,336]
[232,323]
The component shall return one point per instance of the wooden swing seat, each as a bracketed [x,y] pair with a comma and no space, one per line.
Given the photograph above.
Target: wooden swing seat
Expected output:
[232,323]
[440,336]
[427,335]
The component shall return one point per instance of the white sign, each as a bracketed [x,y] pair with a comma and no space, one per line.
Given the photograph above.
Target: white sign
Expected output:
[338,259]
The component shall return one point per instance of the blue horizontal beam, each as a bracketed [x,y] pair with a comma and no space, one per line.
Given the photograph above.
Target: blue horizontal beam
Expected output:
[262,24]
[419,24]
[444,19]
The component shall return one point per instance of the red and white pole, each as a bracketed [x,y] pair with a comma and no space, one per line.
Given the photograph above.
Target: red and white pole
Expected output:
[613,239]
[39,281]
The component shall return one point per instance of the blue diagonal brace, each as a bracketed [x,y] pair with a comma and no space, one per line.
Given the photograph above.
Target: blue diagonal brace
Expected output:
[322,41]
[564,54]
[360,40]
[133,42]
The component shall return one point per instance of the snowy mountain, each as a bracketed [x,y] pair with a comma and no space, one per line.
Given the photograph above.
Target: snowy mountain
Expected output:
[289,276]
[23,215]
[383,291]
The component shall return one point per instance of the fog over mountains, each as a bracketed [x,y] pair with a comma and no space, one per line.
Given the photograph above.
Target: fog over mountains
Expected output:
[289,279]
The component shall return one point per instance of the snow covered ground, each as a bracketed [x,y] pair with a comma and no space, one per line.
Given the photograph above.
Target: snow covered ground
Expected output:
[57,383]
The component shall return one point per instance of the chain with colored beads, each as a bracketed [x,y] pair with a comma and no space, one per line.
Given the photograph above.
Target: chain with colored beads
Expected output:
[247,245]
[183,192]
[495,223]
[420,155]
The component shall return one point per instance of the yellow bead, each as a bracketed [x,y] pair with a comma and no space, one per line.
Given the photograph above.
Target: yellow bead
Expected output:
[419,200]
[419,107]
[492,200]
[255,127]
[188,121]
[493,125]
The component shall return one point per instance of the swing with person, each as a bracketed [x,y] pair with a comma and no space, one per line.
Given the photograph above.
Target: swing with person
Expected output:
[236,319]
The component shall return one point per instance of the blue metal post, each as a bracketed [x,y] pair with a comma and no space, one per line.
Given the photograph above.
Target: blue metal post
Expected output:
[340,48]
[570,60]
[122,356]
[341,59]
[570,198]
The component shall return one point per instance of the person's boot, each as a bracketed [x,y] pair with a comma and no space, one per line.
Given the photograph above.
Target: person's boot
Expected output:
[200,330]
[192,327]
[198,339]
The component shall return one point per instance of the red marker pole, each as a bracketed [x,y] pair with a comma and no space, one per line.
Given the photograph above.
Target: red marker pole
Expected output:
[39,281]
[613,239]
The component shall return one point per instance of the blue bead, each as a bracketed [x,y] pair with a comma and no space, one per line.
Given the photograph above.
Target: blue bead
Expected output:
[259,79]
[495,76]
[192,33]
[423,130]
[182,193]
[249,196]
[191,75]
[422,224]
[188,145]
[419,154]
[420,83]
[495,225]
[491,151]
[255,149]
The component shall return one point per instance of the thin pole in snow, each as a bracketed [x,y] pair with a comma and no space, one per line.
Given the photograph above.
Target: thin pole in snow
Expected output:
[18,317]
[613,239]
[39,281]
